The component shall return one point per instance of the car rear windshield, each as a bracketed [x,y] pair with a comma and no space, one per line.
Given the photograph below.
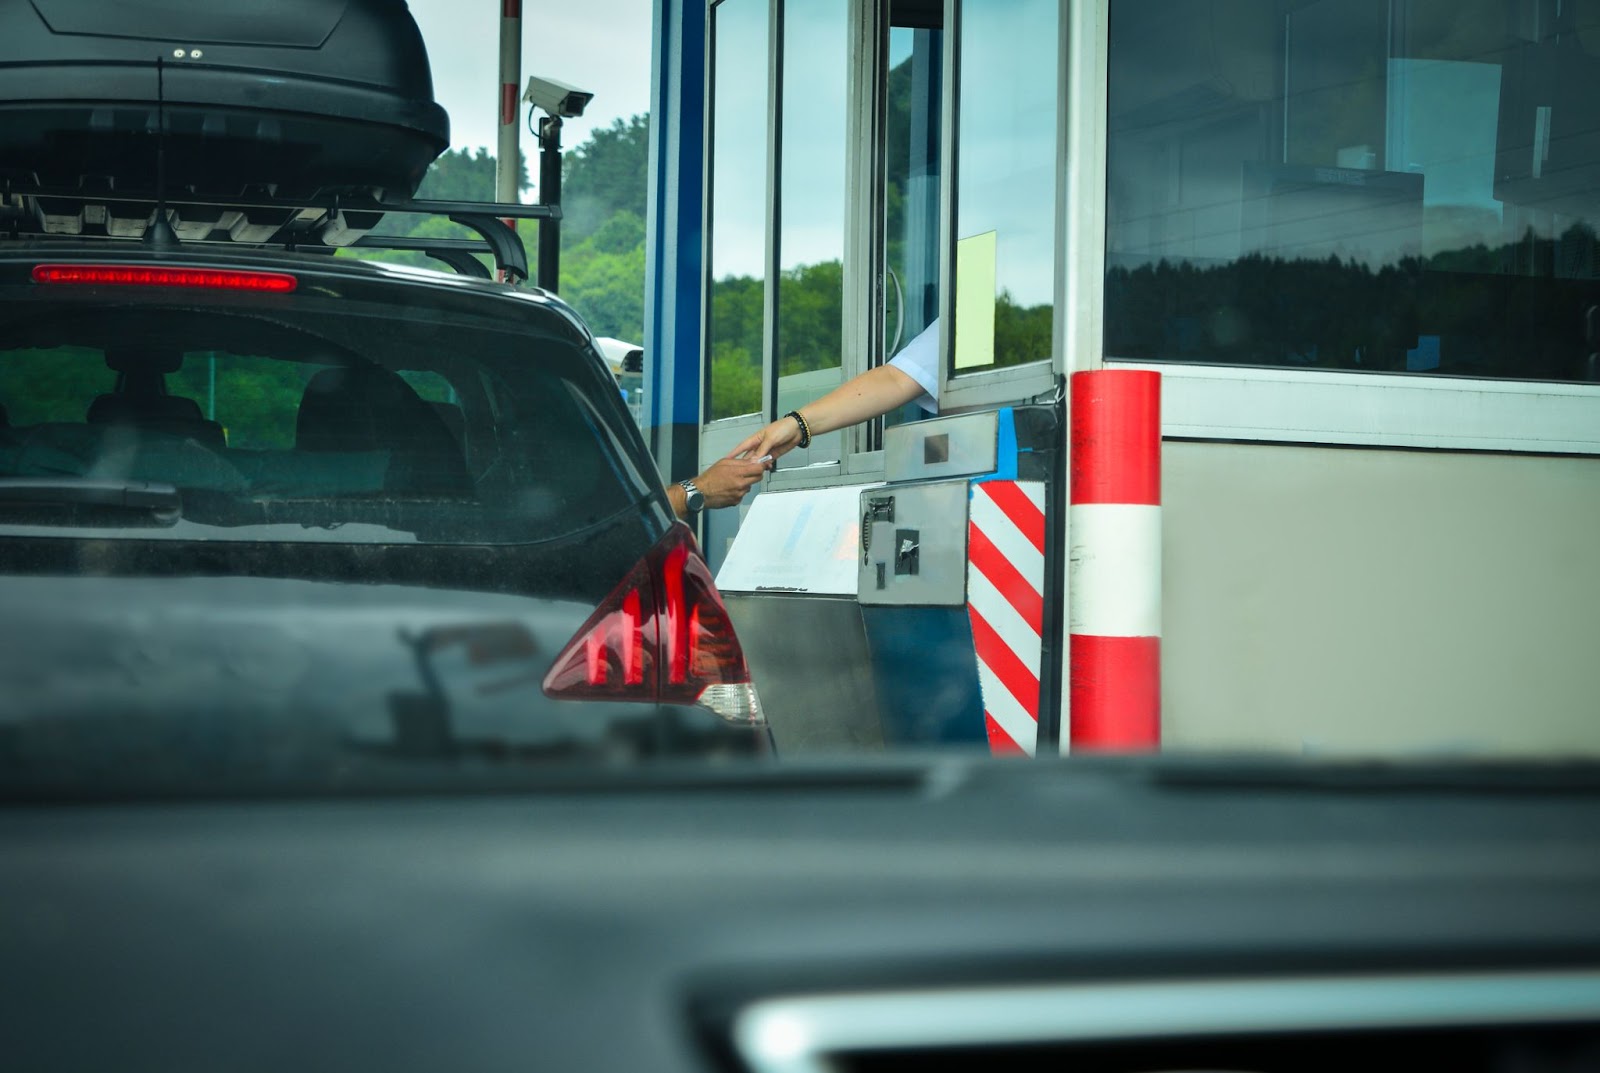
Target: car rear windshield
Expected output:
[301,417]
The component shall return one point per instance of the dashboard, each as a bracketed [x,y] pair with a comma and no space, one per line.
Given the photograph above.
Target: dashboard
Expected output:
[931,913]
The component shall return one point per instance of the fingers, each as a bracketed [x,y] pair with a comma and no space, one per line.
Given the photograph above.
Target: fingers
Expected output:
[776,440]
[772,444]
[726,481]
[746,472]
[750,443]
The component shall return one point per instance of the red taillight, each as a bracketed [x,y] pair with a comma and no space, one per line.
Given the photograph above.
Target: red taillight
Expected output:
[662,636]
[145,276]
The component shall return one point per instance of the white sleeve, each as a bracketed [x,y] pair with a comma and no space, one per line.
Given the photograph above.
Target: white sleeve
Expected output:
[919,359]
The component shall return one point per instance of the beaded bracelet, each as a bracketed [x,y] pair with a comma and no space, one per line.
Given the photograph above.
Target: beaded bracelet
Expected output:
[805,429]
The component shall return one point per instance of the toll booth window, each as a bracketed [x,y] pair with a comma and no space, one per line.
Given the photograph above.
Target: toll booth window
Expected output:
[811,209]
[735,322]
[1401,186]
[1006,170]
[911,179]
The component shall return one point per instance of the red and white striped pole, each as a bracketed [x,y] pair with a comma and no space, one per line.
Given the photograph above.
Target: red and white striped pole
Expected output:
[1005,605]
[1114,566]
[508,155]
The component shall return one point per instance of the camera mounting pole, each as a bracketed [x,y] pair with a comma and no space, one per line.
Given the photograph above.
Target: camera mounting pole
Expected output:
[550,194]
[558,101]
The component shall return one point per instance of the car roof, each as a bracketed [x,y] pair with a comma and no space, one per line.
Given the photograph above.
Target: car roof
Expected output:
[323,262]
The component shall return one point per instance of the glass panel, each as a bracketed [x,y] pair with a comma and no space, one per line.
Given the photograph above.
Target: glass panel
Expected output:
[1006,167]
[1386,185]
[911,197]
[812,209]
[332,420]
[736,324]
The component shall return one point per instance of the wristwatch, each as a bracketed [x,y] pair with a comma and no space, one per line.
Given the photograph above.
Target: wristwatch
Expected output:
[694,500]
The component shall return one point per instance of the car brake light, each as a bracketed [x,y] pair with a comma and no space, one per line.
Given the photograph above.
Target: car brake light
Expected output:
[146,276]
[661,636]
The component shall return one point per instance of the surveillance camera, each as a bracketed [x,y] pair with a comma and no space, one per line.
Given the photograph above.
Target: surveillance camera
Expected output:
[557,98]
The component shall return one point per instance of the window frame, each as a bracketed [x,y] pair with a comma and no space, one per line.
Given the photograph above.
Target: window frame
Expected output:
[1018,383]
[720,428]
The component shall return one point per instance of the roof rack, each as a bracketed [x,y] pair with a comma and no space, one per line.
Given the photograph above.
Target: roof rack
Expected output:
[323,221]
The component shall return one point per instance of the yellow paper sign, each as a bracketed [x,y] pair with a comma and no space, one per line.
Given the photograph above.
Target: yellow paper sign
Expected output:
[975,301]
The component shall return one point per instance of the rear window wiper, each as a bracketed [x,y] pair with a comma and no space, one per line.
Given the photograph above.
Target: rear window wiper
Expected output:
[89,500]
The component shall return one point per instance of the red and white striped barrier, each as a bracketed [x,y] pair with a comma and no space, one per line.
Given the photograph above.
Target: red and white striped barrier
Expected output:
[510,63]
[508,160]
[1114,561]
[1005,604]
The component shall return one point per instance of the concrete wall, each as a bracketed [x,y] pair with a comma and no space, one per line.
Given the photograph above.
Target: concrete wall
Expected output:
[1358,601]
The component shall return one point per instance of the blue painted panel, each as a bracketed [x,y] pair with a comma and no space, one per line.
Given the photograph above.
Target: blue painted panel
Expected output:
[674,242]
[1005,447]
[925,674]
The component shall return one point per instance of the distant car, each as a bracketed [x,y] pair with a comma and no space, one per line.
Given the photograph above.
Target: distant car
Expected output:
[622,357]
[286,515]
[627,365]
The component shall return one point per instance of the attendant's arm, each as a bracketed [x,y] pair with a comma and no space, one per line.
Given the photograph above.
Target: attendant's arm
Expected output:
[861,398]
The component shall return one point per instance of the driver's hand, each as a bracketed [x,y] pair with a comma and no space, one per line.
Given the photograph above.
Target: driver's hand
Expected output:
[725,482]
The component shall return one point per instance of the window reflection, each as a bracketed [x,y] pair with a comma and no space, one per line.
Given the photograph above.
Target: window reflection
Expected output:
[1006,168]
[911,193]
[735,324]
[812,208]
[1387,185]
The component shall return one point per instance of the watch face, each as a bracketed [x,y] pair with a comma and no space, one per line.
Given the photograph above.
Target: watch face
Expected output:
[693,498]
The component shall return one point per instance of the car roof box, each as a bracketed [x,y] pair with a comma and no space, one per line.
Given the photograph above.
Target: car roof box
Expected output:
[291,98]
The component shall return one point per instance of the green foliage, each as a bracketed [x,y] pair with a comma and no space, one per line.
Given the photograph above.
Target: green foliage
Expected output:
[462,175]
[603,278]
[603,189]
[1021,333]
[425,227]
[1267,311]
[810,318]
[898,163]
[40,386]
[810,332]
[605,177]
[257,399]
[604,183]
[735,382]
[735,332]
[457,175]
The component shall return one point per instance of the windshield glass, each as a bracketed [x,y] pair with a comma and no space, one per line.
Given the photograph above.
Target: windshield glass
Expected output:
[297,421]
[1014,380]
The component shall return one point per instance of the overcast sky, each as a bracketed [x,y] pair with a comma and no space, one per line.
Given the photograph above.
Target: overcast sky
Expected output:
[598,45]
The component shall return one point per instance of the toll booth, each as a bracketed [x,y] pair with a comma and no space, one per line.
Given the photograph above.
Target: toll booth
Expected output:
[1356,241]
[923,598]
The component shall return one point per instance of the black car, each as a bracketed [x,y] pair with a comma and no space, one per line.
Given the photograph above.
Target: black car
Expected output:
[270,515]
[291,517]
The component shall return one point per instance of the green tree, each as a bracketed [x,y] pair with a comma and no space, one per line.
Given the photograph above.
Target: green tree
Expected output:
[810,317]
[735,341]
[605,176]
[604,185]
[457,175]
[603,277]
[462,175]
[1021,333]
